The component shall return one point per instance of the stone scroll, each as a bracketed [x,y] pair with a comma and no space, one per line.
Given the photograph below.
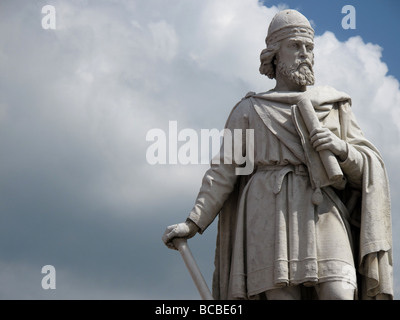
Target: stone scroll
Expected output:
[328,159]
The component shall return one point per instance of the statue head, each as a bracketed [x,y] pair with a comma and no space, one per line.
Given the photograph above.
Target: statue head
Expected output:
[289,28]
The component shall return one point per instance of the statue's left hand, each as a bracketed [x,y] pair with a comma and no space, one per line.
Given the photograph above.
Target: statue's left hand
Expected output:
[325,139]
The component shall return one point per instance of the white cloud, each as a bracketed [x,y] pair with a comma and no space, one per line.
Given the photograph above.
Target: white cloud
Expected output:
[165,40]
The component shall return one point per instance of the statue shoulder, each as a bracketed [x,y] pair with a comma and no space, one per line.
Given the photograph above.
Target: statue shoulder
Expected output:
[244,104]
[327,94]
[240,112]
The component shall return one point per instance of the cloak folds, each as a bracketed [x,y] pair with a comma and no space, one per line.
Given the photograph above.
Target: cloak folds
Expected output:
[366,208]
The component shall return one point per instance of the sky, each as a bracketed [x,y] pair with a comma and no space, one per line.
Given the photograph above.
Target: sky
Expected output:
[77,102]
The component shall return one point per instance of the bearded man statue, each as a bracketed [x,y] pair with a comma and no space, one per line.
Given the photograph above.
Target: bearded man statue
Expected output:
[291,229]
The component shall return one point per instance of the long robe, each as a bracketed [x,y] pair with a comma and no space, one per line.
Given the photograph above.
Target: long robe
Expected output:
[271,233]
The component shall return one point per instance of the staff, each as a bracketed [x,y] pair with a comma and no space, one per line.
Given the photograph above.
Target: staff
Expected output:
[182,246]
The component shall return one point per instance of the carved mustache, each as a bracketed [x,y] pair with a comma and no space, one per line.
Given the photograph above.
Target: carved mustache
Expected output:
[299,63]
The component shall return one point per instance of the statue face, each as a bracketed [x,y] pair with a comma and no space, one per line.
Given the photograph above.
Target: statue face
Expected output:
[296,48]
[295,60]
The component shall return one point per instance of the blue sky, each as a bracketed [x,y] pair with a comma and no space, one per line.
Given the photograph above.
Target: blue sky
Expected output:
[76,104]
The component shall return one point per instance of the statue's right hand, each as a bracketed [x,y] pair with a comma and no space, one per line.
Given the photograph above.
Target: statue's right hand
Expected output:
[181,230]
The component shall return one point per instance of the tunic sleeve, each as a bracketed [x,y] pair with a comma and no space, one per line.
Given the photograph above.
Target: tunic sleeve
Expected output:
[353,165]
[219,181]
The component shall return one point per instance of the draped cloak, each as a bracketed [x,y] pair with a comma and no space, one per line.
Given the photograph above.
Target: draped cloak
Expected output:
[357,207]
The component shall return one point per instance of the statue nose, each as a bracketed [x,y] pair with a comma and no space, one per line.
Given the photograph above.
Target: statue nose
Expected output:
[303,52]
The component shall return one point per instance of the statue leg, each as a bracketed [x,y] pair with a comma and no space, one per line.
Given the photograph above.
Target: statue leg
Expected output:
[334,290]
[285,293]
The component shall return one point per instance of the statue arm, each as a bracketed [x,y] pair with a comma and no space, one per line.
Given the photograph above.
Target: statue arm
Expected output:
[352,166]
[348,147]
[359,148]
[219,181]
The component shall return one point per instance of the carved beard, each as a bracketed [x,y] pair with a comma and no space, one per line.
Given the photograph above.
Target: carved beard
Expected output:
[300,72]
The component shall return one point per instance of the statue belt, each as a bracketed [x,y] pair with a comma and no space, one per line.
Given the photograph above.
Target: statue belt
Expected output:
[283,170]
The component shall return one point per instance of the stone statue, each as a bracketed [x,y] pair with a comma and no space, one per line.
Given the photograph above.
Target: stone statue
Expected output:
[313,220]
